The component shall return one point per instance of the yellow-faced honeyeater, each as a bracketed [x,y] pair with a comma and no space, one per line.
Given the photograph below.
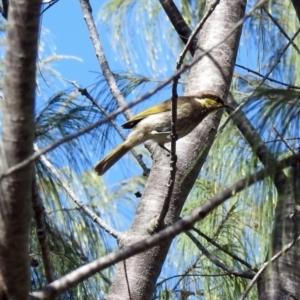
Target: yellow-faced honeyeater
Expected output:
[154,123]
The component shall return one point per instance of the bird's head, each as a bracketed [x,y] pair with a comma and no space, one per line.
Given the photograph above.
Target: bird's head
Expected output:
[210,99]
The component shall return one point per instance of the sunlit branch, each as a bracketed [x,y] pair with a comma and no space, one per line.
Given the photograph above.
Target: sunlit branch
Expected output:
[290,86]
[280,29]
[87,14]
[243,274]
[72,279]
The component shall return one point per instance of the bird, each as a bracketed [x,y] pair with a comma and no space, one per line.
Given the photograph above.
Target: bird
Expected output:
[154,123]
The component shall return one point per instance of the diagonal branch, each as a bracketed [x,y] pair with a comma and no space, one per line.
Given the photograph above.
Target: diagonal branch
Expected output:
[72,195]
[290,86]
[160,86]
[217,245]
[178,22]
[231,271]
[72,279]
[87,14]
[280,29]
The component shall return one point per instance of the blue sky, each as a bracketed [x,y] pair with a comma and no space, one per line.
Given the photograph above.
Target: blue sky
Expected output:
[65,31]
[70,36]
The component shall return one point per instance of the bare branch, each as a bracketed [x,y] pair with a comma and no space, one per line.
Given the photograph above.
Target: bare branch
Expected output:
[72,195]
[283,140]
[87,14]
[243,274]
[178,22]
[217,245]
[290,86]
[281,29]
[63,284]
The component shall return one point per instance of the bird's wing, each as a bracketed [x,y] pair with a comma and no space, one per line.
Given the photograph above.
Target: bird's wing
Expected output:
[162,107]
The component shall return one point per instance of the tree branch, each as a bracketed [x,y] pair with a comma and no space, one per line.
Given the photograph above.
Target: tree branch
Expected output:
[243,274]
[63,284]
[178,22]
[217,245]
[290,86]
[280,29]
[117,235]
[160,86]
[111,82]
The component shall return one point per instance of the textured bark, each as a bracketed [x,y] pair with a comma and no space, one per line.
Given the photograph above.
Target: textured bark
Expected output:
[136,277]
[17,145]
[281,280]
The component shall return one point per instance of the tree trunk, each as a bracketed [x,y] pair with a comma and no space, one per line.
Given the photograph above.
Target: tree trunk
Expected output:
[17,145]
[281,279]
[136,277]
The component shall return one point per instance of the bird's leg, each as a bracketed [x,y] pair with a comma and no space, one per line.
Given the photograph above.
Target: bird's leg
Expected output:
[154,132]
[162,146]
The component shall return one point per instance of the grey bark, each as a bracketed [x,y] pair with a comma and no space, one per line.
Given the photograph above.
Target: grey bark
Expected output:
[281,280]
[17,145]
[136,277]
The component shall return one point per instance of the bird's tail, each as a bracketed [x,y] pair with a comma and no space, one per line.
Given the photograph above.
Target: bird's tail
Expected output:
[108,161]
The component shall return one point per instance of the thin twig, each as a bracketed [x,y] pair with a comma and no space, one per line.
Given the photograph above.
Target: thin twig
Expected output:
[290,86]
[243,104]
[109,77]
[243,274]
[50,4]
[283,140]
[84,92]
[117,235]
[80,132]
[217,245]
[280,28]
[72,279]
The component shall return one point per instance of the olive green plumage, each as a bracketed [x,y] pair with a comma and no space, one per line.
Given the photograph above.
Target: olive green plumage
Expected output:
[154,123]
